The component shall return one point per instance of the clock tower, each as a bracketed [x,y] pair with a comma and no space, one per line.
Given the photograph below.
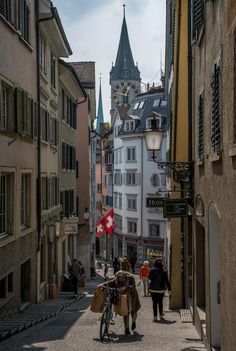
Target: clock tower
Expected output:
[124,75]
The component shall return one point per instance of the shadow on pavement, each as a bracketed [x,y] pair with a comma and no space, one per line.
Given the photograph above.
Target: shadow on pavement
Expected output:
[165,321]
[193,348]
[121,338]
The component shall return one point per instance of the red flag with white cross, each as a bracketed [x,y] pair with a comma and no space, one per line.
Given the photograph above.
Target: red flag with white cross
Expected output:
[100,229]
[108,222]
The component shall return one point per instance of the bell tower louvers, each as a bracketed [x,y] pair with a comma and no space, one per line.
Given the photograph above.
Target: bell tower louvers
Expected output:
[124,75]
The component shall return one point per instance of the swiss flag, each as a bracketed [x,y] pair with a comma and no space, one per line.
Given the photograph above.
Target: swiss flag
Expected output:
[100,229]
[108,222]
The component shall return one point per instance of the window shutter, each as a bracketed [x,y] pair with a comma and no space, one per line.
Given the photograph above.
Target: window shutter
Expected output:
[19,110]
[75,116]
[48,136]
[47,193]
[63,103]
[200,127]
[77,169]
[57,132]
[197,17]
[216,123]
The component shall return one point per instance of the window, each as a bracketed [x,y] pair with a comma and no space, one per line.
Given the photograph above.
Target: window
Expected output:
[197,18]
[6,286]
[155,181]
[120,201]
[131,226]
[99,188]
[156,102]
[216,112]
[132,202]
[24,112]
[151,121]
[67,202]
[6,10]
[129,126]
[42,54]
[53,71]
[25,211]
[4,109]
[44,124]
[53,131]
[68,161]
[141,104]
[24,19]
[154,229]
[163,103]
[136,105]
[6,203]
[131,153]
[120,155]
[201,127]
[53,191]
[117,178]
[118,223]
[131,178]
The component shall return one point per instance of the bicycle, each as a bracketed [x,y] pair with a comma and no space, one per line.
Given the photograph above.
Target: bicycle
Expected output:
[107,314]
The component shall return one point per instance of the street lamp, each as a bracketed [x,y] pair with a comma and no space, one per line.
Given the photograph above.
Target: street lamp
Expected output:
[153,137]
[86,214]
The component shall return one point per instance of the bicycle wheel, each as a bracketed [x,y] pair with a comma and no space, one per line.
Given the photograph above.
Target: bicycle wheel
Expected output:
[104,326]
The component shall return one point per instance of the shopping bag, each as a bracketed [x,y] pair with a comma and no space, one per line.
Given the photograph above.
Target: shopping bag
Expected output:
[98,301]
[81,282]
[122,308]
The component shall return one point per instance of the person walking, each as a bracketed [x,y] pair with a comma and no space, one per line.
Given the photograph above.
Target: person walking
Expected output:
[133,261]
[105,271]
[116,265]
[143,275]
[159,282]
[74,271]
[125,282]
[125,265]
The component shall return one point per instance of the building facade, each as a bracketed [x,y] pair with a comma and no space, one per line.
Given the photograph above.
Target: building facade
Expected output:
[141,231]
[213,81]
[18,226]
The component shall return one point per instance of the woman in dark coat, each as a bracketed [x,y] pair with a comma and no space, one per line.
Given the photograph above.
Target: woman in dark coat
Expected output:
[159,282]
[126,283]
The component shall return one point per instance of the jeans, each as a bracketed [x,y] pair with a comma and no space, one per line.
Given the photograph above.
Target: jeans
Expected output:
[145,285]
[157,298]
[75,284]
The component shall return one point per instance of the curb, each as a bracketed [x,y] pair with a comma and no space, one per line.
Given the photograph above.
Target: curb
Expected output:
[16,328]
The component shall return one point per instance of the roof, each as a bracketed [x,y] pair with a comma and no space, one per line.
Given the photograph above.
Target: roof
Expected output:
[58,21]
[124,66]
[86,72]
[100,117]
[142,114]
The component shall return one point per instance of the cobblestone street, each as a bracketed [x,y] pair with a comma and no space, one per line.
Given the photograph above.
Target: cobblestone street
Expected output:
[77,328]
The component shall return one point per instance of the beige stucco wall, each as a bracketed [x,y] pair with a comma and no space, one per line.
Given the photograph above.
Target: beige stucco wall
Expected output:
[215,180]
[18,69]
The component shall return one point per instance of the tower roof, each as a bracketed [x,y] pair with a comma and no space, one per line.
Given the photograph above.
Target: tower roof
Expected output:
[100,117]
[124,66]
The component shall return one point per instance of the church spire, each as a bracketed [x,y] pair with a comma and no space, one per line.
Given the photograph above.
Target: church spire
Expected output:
[100,118]
[124,66]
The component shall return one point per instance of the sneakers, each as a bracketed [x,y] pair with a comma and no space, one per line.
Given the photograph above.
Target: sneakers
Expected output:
[127,332]
[133,326]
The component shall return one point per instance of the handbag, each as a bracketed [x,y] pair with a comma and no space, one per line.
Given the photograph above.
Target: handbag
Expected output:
[98,301]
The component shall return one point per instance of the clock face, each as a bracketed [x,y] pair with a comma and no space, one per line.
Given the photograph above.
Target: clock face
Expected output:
[121,91]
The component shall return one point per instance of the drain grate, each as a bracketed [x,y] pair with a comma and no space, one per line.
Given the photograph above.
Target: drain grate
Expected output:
[186,316]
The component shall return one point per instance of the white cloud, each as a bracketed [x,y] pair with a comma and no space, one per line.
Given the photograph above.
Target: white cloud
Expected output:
[94,35]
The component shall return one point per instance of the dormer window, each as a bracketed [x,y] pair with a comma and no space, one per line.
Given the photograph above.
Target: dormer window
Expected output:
[129,126]
[156,102]
[163,103]
[139,105]
[149,122]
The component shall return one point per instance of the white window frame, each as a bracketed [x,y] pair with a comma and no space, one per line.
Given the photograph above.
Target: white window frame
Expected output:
[131,202]
[131,177]
[43,54]
[149,122]
[156,102]
[131,154]
[131,226]
[151,226]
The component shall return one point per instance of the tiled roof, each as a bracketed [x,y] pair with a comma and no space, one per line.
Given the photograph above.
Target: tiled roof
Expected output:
[85,71]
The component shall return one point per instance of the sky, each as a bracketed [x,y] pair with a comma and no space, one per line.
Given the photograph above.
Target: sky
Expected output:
[93,30]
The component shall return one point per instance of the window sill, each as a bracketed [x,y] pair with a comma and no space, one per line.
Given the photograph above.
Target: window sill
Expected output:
[25,42]
[6,239]
[25,231]
[232,150]
[216,156]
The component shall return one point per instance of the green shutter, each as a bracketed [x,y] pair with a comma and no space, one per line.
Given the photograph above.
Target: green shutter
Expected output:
[19,110]
[216,118]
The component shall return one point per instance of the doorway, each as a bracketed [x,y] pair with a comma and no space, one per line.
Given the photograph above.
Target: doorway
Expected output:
[25,281]
[214,267]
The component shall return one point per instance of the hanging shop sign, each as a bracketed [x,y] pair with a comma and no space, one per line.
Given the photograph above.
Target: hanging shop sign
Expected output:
[175,208]
[154,202]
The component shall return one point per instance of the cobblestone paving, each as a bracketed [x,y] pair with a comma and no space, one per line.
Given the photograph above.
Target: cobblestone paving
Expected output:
[76,328]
